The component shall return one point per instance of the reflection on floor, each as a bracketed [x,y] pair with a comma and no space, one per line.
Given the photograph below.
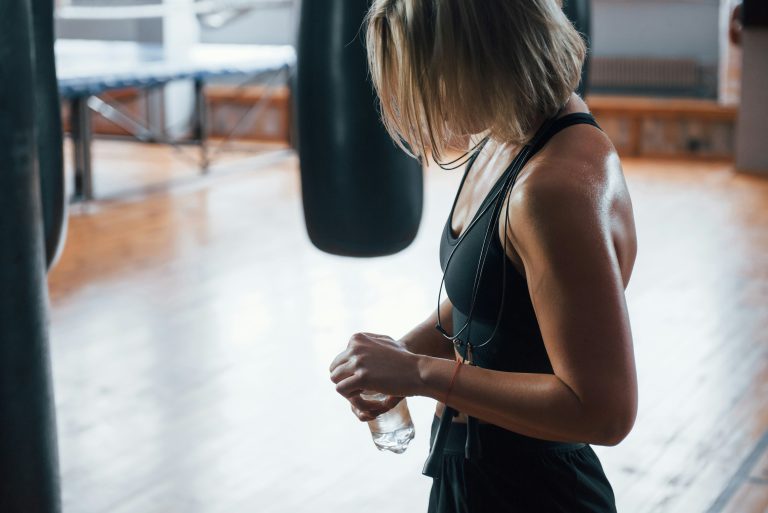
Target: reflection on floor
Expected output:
[192,331]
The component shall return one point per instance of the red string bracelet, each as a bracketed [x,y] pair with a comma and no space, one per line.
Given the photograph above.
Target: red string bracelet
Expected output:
[453,379]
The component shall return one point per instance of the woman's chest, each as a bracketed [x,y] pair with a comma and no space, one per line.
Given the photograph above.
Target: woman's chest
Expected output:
[477,275]
[483,176]
[480,223]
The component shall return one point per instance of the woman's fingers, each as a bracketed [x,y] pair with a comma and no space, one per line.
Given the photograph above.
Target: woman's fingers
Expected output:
[391,402]
[347,372]
[365,404]
[374,362]
[351,384]
[363,415]
[340,358]
[374,408]
[342,370]
[369,405]
[352,347]
[376,336]
[355,342]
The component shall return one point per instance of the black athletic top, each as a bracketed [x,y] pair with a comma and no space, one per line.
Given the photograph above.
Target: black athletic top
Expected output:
[517,345]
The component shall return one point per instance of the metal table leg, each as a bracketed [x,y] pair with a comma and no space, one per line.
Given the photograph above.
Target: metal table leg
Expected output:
[201,124]
[155,113]
[80,127]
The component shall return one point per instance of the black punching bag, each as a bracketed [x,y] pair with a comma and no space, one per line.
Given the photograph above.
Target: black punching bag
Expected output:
[28,455]
[580,14]
[50,158]
[362,195]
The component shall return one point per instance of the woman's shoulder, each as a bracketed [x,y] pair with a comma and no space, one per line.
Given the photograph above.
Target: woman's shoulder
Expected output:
[578,155]
[576,183]
[578,160]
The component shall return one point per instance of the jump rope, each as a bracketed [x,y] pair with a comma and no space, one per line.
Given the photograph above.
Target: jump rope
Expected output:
[472,448]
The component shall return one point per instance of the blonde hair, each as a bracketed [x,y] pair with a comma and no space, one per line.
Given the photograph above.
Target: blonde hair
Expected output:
[448,69]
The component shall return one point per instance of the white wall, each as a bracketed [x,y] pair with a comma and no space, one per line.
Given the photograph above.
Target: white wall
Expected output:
[657,28]
[660,28]
[265,26]
[144,30]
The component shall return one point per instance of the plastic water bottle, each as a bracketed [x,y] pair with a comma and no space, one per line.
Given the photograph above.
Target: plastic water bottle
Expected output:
[392,430]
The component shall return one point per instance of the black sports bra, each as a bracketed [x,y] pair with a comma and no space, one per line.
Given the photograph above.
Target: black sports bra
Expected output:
[516,345]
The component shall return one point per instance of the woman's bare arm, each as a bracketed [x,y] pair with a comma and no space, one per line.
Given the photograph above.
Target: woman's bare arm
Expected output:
[563,234]
[424,339]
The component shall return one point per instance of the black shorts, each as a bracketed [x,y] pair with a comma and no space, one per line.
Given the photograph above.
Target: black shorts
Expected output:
[518,474]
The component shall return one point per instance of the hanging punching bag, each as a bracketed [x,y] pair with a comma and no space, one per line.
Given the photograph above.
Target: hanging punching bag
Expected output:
[50,160]
[580,14]
[28,455]
[362,195]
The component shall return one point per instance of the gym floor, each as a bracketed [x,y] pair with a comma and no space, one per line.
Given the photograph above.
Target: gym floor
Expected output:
[192,329]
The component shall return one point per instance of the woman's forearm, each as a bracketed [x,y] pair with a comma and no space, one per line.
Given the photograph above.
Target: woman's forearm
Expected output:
[536,405]
[424,339]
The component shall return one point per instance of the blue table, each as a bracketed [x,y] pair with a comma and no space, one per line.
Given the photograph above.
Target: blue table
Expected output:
[87,69]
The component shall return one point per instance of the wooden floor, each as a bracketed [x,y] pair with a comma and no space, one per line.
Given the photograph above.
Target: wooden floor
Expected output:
[192,330]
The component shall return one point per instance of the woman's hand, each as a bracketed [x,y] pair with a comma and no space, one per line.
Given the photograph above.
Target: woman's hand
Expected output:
[366,410]
[375,363]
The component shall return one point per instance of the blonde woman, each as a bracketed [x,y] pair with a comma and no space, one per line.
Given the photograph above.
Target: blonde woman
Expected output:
[530,356]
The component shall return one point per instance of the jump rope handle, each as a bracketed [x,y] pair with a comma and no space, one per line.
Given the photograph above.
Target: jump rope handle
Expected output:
[472,448]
